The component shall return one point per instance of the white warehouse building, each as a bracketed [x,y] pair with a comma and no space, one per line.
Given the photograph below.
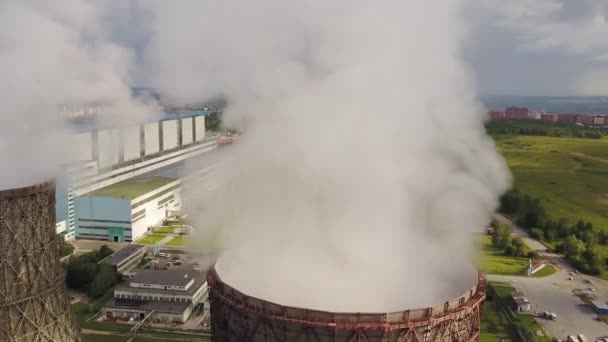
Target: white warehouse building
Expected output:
[124,211]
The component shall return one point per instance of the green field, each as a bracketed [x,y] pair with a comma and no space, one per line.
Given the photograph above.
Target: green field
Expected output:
[494,325]
[493,261]
[177,241]
[545,271]
[151,239]
[568,175]
[164,230]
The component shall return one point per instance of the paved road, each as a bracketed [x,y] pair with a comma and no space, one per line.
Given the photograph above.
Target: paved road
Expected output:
[555,293]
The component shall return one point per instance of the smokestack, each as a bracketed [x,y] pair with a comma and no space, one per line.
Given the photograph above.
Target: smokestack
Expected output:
[34,305]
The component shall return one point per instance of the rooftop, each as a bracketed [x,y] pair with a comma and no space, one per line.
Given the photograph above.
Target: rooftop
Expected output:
[521,300]
[200,278]
[132,188]
[598,304]
[164,277]
[158,306]
[122,254]
[517,294]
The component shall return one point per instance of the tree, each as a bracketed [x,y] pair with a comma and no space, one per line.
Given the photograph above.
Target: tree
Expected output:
[501,236]
[65,248]
[104,279]
[537,233]
[80,273]
[573,247]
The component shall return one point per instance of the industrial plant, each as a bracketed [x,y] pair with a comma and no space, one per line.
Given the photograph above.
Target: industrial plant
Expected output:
[236,316]
[34,305]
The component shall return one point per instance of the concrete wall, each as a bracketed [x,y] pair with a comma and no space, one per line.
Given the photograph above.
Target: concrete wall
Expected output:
[151,138]
[108,148]
[199,122]
[187,137]
[155,207]
[79,147]
[130,140]
[169,134]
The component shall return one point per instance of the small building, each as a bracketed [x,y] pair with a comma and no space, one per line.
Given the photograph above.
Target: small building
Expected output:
[550,117]
[170,295]
[600,307]
[126,258]
[124,211]
[522,303]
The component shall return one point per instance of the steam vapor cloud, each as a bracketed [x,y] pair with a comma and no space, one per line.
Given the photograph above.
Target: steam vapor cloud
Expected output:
[54,54]
[365,164]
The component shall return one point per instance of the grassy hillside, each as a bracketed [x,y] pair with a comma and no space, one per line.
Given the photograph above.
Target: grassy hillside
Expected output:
[568,175]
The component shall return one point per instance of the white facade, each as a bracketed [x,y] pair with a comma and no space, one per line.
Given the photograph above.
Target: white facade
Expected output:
[199,122]
[130,143]
[80,148]
[169,134]
[108,148]
[151,140]
[187,137]
[151,208]
[175,296]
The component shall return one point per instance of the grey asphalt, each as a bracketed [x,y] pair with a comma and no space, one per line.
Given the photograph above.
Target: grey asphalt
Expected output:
[555,294]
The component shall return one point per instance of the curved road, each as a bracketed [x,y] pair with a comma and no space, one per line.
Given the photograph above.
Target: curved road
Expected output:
[555,293]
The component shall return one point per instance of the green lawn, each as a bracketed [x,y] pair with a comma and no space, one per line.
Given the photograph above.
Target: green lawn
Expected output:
[545,271]
[568,185]
[151,239]
[493,261]
[494,325]
[177,241]
[164,230]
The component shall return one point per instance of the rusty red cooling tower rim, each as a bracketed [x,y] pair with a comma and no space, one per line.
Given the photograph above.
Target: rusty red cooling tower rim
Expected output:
[464,310]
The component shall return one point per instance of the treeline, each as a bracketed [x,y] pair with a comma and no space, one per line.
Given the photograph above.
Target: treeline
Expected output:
[578,242]
[544,129]
[85,274]
[65,248]
[511,246]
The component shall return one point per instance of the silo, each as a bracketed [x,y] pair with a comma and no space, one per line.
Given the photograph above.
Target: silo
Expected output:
[237,317]
[34,305]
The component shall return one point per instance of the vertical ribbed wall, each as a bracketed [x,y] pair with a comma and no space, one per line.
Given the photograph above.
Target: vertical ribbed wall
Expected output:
[34,305]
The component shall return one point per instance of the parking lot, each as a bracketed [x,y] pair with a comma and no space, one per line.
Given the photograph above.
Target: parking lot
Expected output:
[556,293]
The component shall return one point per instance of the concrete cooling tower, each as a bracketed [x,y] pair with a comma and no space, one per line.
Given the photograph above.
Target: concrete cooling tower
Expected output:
[34,305]
[236,317]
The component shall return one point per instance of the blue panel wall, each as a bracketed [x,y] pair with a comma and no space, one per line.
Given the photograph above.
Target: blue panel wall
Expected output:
[97,217]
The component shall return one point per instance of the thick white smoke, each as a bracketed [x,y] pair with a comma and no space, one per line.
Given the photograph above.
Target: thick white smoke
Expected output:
[53,54]
[365,164]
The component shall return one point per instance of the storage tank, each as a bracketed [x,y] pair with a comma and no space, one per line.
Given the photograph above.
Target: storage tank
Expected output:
[34,305]
[237,317]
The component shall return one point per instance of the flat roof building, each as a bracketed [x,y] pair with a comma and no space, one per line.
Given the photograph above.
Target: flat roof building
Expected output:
[126,258]
[124,211]
[521,302]
[171,294]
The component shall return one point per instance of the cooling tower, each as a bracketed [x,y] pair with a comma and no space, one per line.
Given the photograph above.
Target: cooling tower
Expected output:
[236,317]
[34,305]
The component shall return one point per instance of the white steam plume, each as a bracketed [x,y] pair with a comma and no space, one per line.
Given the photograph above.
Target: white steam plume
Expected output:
[53,54]
[365,164]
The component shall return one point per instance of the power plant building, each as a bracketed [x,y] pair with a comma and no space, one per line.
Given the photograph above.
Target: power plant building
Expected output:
[101,156]
[124,211]
[170,296]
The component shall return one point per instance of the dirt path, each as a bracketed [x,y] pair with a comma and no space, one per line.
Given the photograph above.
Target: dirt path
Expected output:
[582,155]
